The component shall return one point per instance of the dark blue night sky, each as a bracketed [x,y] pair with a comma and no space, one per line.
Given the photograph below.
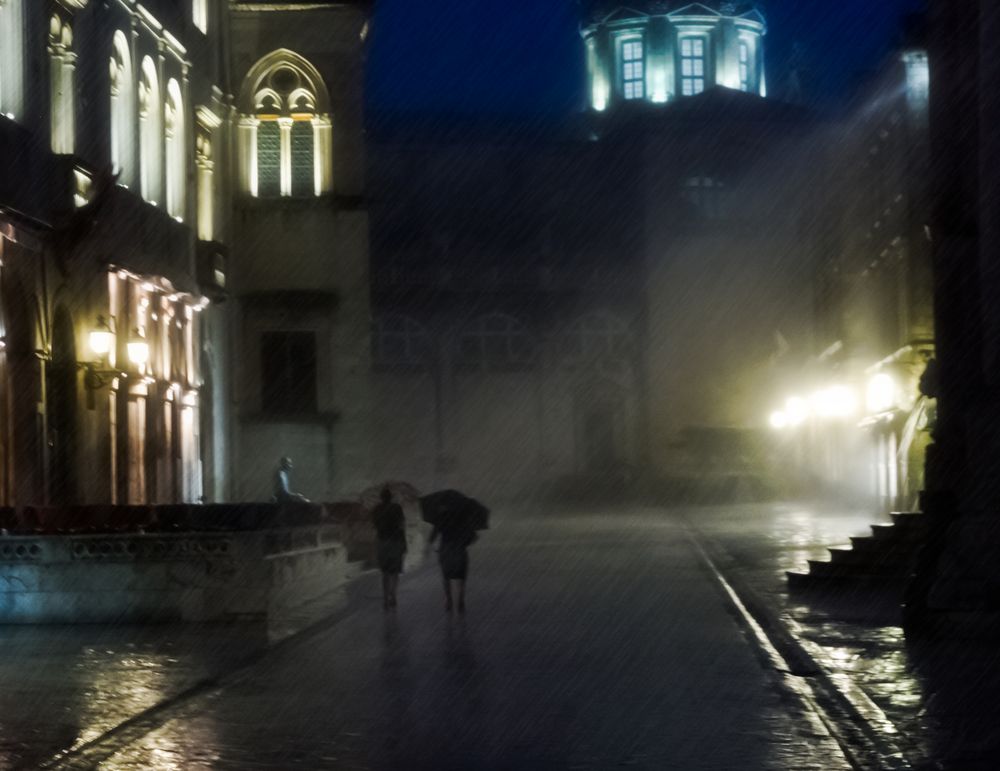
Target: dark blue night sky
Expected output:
[525,56]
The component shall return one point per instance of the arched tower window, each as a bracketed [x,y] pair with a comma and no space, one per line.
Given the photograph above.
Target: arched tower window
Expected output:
[62,69]
[285,131]
[175,133]
[150,133]
[122,110]
[11,58]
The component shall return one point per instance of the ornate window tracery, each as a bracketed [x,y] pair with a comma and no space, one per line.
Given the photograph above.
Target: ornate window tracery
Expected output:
[285,136]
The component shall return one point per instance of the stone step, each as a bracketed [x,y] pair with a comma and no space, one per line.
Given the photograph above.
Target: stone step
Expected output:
[872,561]
[893,533]
[880,546]
[909,519]
[856,570]
[809,582]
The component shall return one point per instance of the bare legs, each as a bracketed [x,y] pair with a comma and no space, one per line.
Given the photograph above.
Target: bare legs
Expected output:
[390,582]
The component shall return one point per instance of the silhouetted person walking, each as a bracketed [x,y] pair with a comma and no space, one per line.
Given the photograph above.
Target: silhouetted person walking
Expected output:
[456,536]
[390,528]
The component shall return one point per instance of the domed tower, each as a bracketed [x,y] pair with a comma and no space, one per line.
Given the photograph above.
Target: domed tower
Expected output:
[661,50]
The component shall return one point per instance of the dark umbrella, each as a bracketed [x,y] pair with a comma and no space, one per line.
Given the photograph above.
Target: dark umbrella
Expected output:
[450,508]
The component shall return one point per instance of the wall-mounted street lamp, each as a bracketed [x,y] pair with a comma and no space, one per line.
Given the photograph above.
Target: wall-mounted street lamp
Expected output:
[100,373]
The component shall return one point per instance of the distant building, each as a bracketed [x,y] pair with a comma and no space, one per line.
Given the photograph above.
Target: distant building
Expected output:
[659,51]
[603,297]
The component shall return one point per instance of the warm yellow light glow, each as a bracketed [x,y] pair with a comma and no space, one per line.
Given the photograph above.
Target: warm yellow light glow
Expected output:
[881,395]
[835,402]
[779,420]
[101,341]
[796,411]
[138,351]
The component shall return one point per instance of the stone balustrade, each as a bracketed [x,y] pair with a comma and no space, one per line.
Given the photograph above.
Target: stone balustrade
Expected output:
[177,563]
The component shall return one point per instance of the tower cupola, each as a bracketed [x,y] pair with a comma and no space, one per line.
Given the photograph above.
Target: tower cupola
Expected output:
[662,50]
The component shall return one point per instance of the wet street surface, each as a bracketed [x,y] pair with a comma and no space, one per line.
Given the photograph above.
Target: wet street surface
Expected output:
[591,641]
[941,697]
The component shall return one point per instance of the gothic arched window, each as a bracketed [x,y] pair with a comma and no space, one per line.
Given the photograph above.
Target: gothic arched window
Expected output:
[285,131]
[122,110]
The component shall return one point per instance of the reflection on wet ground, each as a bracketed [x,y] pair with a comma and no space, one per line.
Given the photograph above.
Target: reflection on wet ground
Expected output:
[63,686]
[944,697]
[591,642]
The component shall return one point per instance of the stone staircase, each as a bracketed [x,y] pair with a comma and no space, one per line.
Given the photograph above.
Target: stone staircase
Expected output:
[883,559]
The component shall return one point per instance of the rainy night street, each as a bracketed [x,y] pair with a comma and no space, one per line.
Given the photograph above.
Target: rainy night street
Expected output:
[591,640]
[499,385]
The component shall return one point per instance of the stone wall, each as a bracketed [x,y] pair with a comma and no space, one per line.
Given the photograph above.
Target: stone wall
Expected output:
[189,575]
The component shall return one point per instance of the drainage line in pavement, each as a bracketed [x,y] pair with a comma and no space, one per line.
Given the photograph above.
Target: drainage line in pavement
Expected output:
[838,712]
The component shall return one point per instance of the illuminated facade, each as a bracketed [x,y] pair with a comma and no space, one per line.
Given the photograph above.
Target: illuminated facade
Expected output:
[107,388]
[659,51]
[875,325]
[181,227]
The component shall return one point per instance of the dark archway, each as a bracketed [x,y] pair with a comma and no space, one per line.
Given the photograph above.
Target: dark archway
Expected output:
[61,385]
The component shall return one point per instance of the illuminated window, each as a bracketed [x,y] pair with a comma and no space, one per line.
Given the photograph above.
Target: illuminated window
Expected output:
[744,66]
[285,137]
[62,70]
[400,341]
[150,133]
[122,110]
[11,58]
[633,70]
[205,165]
[496,342]
[199,14]
[692,65]
[175,128]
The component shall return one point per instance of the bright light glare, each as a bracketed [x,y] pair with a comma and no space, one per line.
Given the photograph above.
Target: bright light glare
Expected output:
[100,341]
[881,393]
[796,411]
[779,420]
[138,351]
[835,402]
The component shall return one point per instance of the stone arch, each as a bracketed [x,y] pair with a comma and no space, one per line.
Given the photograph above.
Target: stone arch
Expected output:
[258,78]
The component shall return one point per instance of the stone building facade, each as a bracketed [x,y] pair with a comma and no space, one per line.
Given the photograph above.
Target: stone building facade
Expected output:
[602,297]
[875,289]
[182,219]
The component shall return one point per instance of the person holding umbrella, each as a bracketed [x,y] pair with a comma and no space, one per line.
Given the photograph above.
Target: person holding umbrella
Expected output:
[390,529]
[456,518]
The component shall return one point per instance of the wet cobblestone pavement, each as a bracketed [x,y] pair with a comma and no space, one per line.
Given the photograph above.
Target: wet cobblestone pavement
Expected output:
[591,642]
[943,697]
